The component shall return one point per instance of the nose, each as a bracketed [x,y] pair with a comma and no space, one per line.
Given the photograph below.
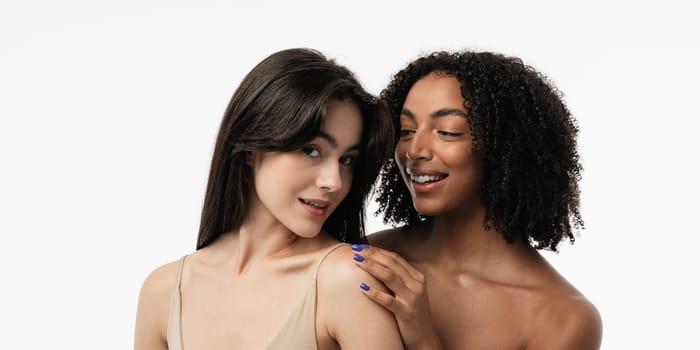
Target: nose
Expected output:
[419,146]
[329,177]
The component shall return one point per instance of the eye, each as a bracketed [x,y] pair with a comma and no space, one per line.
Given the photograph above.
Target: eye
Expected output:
[348,161]
[449,134]
[405,132]
[311,151]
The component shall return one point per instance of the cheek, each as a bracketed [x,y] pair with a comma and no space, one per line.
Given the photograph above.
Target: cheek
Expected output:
[458,156]
[455,159]
[271,178]
[466,165]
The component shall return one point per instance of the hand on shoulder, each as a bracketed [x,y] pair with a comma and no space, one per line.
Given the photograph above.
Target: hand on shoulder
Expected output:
[407,298]
[350,318]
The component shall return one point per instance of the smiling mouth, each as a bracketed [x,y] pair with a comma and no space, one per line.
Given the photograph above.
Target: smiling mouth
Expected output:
[426,179]
[314,204]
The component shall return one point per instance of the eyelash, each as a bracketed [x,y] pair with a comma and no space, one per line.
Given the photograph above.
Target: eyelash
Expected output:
[450,134]
[348,161]
[406,132]
[308,150]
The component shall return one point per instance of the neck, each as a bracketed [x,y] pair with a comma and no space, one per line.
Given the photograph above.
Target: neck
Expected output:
[462,239]
[259,239]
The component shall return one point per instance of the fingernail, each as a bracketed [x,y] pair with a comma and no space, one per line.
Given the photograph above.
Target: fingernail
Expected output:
[359,247]
[358,258]
[364,287]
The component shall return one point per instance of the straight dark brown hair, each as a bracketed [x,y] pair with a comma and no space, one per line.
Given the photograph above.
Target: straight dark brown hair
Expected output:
[280,106]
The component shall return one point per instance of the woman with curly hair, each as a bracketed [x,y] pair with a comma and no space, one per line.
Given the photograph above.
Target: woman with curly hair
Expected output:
[486,149]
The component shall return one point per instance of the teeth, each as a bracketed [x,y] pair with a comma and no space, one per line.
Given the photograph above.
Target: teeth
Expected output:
[421,179]
[315,205]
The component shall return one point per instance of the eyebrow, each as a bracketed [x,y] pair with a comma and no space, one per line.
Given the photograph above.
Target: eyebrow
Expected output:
[442,112]
[334,143]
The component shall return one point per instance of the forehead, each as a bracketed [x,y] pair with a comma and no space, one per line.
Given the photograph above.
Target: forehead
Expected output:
[343,121]
[435,91]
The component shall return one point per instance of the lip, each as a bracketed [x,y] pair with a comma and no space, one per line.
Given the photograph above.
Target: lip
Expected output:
[313,210]
[426,188]
[423,171]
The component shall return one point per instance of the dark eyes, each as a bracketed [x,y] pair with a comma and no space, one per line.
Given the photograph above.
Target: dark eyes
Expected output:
[450,134]
[347,160]
[315,152]
[407,132]
[311,151]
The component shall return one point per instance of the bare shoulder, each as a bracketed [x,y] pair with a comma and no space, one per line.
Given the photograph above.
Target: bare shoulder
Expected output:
[567,322]
[338,270]
[394,238]
[154,305]
[160,282]
[385,239]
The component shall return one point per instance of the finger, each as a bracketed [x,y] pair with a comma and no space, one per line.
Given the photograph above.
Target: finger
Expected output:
[386,266]
[392,274]
[384,299]
[398,259]
[384,274]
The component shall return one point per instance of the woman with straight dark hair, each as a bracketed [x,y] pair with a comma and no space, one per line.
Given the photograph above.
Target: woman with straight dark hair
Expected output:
[485,172]
[298,150]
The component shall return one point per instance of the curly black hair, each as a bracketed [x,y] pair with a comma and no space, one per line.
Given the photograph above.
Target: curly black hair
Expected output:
[525,136]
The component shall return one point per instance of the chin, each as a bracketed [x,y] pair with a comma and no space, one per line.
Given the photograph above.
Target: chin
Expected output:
[310,235]
[428,209]
[308,232]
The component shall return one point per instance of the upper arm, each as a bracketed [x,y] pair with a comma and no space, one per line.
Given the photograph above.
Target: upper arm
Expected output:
[571,324]
[348,316]
[153,308]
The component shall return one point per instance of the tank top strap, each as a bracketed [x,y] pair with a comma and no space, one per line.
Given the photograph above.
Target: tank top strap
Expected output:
[330,250]
[299,332]
[180,267]
[174,331]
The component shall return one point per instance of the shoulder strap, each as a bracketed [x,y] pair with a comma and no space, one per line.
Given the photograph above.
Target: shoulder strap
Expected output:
[330,250]
[174,332]
[180,266]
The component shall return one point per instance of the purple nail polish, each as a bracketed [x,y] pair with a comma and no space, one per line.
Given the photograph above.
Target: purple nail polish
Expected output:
[357,247]
[364,287]
[358,258]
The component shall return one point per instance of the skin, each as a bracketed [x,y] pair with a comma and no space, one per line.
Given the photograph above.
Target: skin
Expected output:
[456,285]
[243,287]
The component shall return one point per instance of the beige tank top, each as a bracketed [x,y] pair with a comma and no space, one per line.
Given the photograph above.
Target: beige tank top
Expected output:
[299,331]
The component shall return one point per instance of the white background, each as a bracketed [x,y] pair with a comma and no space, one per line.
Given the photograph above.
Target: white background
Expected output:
[109,111]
